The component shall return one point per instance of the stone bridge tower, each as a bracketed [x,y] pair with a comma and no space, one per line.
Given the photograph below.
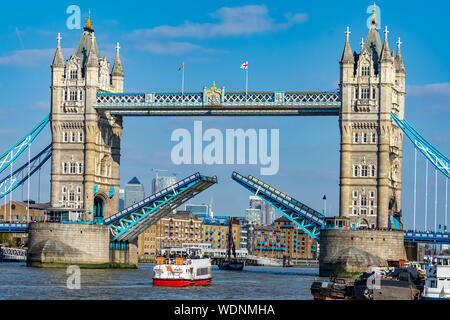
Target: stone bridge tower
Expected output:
[372,85]
[85,170]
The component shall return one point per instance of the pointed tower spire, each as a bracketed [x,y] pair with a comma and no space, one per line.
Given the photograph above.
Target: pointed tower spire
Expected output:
[385,52]
[92,59]
[117,67]
[347,55]
[58,60]
[399,66]
[88,27]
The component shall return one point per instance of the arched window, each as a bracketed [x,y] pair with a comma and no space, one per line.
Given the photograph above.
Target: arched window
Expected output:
[81,95]
[374,137]
[80,168]
[365,93]
[72,137]
[364,171]
[73,168]
[80,136]
[65,167]
[355,171]
[374,93]
[356,137]
[364,201]
[373,171]
[65,137]
[365,137]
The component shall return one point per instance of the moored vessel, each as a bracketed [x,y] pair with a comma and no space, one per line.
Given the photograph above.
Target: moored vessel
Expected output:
[231,262]
[437,283]
[191,270]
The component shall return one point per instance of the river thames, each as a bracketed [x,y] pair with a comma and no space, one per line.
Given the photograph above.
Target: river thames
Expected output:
[17,282]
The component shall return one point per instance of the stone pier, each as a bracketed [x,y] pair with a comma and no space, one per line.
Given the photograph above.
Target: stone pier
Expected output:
[59,245]
[348,252]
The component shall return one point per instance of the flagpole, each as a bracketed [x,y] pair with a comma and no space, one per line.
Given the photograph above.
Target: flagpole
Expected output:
[182,82]
[246,81]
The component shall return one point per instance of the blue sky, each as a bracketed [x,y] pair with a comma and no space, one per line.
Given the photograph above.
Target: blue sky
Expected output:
[290,45]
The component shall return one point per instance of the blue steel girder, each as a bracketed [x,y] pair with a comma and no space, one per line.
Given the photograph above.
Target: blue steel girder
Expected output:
[306,218]
[130,222]
[9,156]
[439,161]
[228,104]
[426,237]
[14,227]
[18,177]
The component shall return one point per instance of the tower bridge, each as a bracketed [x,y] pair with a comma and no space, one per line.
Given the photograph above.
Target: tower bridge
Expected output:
[88,105]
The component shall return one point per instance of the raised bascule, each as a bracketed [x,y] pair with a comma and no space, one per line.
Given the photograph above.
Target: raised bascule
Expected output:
[87,107]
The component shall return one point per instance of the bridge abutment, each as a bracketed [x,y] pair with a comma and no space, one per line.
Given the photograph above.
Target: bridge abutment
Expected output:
[348,252]
[56,245]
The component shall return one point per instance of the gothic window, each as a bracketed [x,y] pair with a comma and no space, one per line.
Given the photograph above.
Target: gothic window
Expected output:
[80,136]
[374,93]
[372,194]
[73,168]
[363,211]
[373,171]
[365,137]
[364,201]
[80,168]
[364,171]
[356,138]
[65,137]
[365,71]
[65,95]
[355,212]
[356,93]
[365,93]
[73,95]
[374,137]
[79,189]
[355,194]
[64,189]
[371,212]
[81,95]
[65,167]
[72,196]
[72,137]
[73,74]
[355,171]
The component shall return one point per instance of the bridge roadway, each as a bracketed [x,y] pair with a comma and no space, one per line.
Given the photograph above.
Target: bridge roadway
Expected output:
[217,102]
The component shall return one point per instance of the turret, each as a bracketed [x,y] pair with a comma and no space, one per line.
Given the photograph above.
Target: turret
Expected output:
[347,60]
[117,74]
[92,65]
[58,64]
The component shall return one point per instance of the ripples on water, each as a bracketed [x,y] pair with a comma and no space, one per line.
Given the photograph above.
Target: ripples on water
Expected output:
[266,283]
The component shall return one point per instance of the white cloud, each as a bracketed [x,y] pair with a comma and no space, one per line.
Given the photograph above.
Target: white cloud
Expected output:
[171,47]
[434,89]
[232,21]
[30,57]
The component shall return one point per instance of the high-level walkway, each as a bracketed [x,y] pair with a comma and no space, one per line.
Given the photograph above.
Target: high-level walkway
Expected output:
[217,102]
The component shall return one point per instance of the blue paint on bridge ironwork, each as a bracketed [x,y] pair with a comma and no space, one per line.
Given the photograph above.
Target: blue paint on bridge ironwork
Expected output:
[130,222]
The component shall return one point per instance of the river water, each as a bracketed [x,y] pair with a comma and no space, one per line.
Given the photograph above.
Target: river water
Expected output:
[265,283]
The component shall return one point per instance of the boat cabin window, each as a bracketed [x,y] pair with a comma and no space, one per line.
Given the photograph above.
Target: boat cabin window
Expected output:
[433,284]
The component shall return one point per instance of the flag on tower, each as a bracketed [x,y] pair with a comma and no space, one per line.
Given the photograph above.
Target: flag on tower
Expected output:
[181,67]
[244,65]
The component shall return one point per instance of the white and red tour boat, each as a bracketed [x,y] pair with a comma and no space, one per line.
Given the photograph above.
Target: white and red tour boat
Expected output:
[187,271]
